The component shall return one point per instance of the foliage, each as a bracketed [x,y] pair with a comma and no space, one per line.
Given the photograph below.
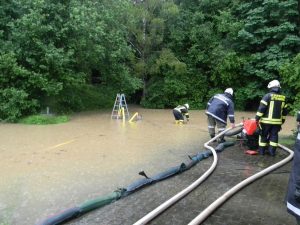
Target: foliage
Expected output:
[15,103]
[270,36]
[16,83]
[76,55]
[147,34]
[85,97]
[290,73]
[167,83]
[54,50]
[44,119]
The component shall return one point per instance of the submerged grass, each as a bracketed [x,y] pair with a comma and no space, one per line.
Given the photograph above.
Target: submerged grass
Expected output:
[44,119]
[287,140]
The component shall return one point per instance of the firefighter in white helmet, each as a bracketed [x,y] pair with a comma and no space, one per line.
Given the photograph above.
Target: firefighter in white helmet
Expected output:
[180,112]
[270,116]
[219,107]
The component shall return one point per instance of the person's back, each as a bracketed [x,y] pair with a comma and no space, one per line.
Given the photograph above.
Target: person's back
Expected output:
[180,112]
[220,106]
[273,112]
[270,116]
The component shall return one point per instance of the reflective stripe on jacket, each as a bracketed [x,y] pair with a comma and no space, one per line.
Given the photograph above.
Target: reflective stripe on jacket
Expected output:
[272,109]
[220,106]
[293,206]
[182,109]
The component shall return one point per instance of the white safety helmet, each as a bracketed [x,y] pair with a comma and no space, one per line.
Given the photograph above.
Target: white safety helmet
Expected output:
[187,105]
[273,84]
[229,91]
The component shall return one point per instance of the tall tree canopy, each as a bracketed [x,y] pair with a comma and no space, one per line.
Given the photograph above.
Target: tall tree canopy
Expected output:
[269,37]
[75,55]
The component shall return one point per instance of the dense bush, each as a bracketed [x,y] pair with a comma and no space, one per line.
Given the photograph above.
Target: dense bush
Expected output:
[290,73]
[77,55]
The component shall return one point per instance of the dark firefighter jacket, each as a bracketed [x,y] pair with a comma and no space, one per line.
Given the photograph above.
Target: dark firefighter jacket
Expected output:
[220,106]
[293,205]
[183,110]
[272,109]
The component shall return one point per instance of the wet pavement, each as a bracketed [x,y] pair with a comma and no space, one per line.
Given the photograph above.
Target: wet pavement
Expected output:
[260,203]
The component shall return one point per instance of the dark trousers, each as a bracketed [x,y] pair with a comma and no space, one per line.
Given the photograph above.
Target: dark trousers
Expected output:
[178,115]
[212,123]
[268,138]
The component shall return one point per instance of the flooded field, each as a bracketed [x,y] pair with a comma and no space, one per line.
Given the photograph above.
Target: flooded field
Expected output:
[45,169]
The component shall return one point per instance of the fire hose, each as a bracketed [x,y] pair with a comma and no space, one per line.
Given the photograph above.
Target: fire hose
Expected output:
[213,206]
[187,190]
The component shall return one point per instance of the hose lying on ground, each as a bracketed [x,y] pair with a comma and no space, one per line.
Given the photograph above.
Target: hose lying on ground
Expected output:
[213,206]
[158,210]
[90,205]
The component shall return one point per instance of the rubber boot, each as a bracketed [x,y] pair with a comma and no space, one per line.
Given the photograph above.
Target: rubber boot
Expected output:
[261,150]
[272,150]
[212,136]
[221,139]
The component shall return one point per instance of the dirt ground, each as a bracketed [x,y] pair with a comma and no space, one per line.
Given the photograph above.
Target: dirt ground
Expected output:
[48,168]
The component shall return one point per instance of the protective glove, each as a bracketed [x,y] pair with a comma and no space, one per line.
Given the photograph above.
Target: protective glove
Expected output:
[297,195]
[257,123]
[258,129]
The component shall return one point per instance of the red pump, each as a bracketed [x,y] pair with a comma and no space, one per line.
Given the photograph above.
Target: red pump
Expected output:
[250,136]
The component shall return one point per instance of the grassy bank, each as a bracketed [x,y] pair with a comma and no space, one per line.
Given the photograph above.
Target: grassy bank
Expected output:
[44,119]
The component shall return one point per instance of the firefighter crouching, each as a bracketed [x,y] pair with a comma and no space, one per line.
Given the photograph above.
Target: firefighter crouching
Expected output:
[180,112]
[293,192]
[270,116]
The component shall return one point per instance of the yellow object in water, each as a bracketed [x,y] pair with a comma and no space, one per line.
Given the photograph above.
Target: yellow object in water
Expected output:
[135,115]
[123,114]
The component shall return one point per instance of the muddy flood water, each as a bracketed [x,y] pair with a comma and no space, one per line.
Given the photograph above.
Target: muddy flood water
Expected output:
[48,168]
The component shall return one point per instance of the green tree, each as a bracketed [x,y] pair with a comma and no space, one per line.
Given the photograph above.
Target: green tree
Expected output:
[64,46]
[290,73]
[147,38]
[167,85]
[16,83]
[268,38]
[201,37]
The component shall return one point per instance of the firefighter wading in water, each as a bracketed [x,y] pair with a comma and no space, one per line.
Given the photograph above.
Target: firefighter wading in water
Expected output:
[270,116]
[180,112]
